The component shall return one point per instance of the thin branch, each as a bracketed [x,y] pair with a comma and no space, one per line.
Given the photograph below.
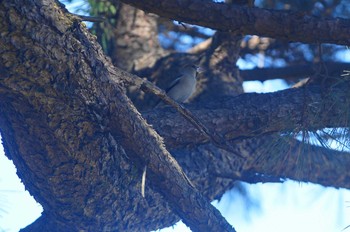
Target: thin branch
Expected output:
[293,72]
[249,177]
[95,19]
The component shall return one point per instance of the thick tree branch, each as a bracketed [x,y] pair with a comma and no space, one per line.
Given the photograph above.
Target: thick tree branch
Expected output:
[274,157]
[290,26]
[301,162]
[252,114]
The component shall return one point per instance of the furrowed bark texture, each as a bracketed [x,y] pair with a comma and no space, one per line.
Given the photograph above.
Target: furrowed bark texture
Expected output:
[76,139]
[269,156]
[255,114]
[251,21]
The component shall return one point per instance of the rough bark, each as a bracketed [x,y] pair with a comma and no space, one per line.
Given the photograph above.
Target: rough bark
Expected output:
[222,76]
[251,114]
[256,116]
[251,21]
[271,158]
[75,136]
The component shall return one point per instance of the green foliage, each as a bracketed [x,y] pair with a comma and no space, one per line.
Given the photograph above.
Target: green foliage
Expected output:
[104,31]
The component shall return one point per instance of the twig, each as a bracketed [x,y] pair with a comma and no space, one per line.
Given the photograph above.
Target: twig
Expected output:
[143,181]
[95,19]
[82,17]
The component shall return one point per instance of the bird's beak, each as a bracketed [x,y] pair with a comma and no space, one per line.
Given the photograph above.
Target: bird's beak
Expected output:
[200,69]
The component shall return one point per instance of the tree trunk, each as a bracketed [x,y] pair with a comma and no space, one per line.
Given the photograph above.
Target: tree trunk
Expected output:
[136,39]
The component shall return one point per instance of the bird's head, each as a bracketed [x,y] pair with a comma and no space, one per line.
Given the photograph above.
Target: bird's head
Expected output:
[191,69]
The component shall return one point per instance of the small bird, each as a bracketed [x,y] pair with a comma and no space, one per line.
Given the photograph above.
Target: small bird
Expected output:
[184,86]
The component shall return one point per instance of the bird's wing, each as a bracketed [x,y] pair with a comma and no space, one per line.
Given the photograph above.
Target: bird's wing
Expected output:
[159,103]
[175,82]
